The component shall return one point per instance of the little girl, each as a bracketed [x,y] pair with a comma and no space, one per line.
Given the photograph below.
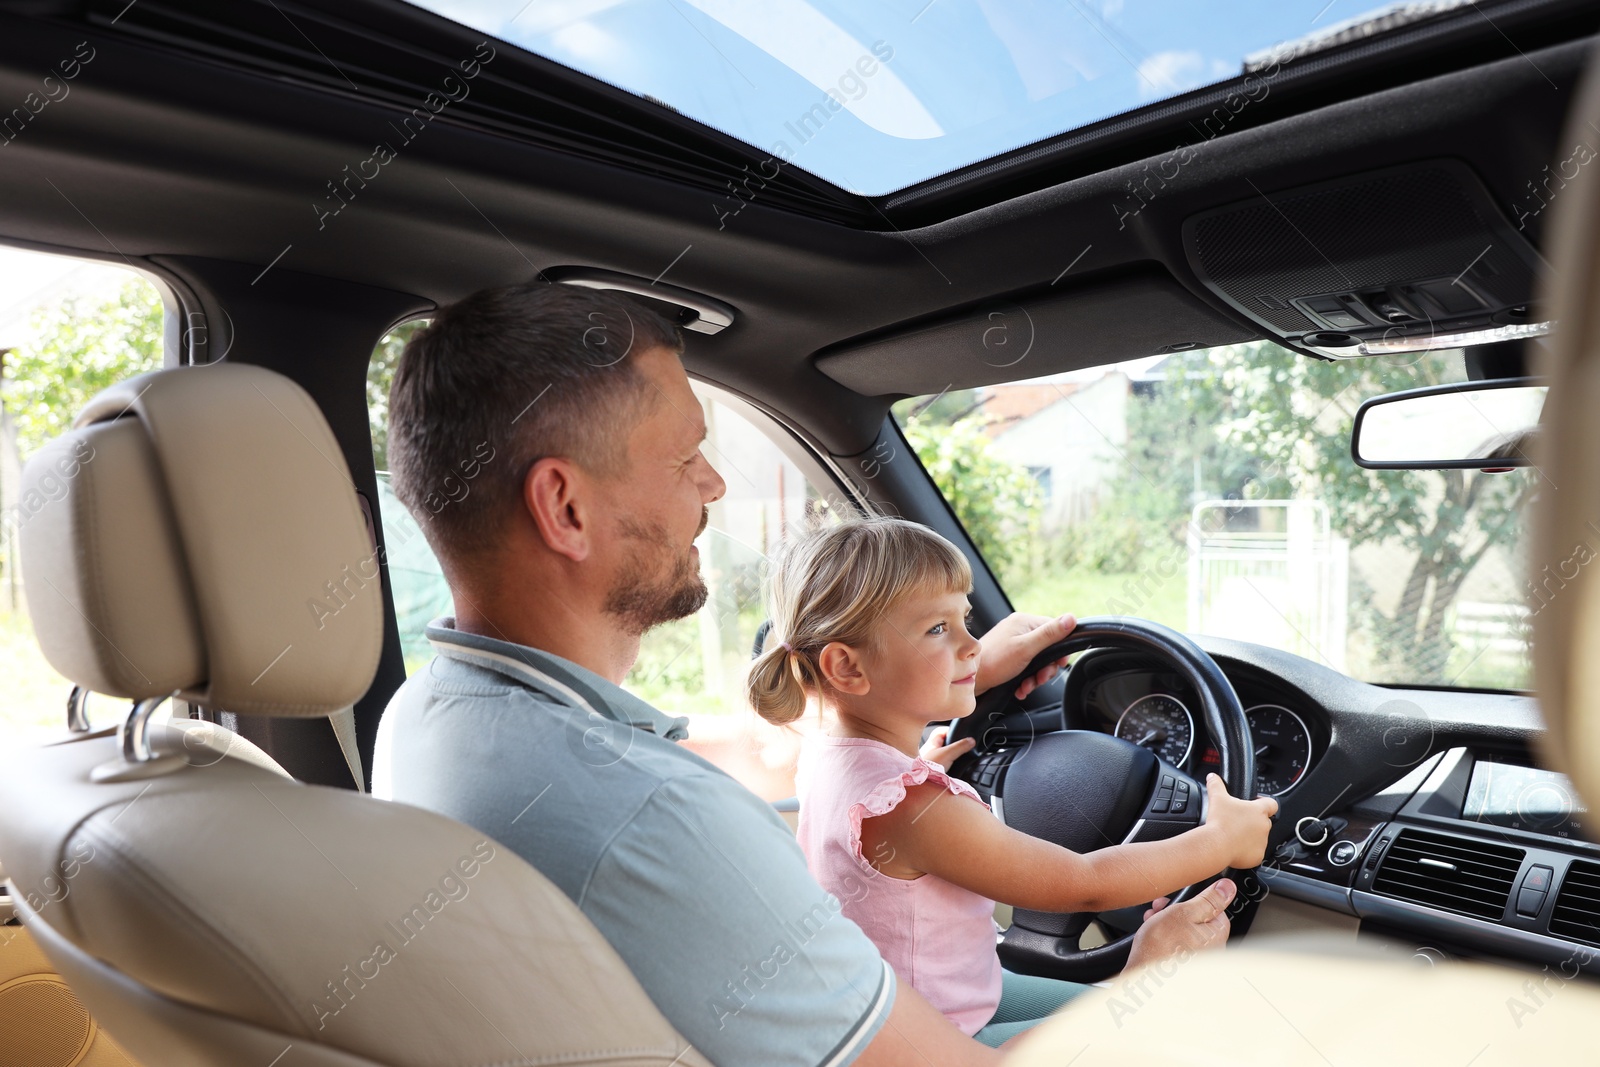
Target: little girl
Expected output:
[869,620]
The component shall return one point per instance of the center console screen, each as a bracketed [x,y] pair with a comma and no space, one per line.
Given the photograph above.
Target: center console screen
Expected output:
[1523,798]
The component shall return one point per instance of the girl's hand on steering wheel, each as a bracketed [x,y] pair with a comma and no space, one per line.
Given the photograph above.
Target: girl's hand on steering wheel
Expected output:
[1242,824]
[934,750]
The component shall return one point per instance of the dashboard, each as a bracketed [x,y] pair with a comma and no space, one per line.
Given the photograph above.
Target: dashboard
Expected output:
[1421,813]
[1157,710]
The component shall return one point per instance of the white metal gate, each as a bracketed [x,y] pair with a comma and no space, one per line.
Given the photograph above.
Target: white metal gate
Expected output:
[1270,571]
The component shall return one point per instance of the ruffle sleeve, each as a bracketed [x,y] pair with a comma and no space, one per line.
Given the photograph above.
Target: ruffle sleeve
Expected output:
[887,795]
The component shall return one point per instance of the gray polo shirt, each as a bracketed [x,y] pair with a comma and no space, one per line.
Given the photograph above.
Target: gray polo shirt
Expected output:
[698,884]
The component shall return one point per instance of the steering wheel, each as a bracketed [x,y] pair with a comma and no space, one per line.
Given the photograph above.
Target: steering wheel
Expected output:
[1084,790]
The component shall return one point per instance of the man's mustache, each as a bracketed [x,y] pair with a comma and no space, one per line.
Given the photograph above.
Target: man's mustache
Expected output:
[705,517]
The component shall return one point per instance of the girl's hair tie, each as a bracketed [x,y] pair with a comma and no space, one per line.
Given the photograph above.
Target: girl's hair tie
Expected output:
[786,646]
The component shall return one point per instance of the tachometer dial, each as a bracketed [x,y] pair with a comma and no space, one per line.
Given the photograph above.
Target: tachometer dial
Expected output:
[1161,724]
[1283,748]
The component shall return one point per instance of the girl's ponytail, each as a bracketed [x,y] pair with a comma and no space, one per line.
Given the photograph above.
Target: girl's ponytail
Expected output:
[778,682]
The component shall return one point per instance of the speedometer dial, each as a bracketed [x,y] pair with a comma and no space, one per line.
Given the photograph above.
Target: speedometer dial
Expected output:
[1283,748]
[1161,724]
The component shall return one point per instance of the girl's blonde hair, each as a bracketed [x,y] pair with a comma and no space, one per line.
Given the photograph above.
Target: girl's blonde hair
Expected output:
[836,584]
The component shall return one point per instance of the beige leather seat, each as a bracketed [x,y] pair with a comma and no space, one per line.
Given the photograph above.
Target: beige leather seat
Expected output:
[1274,1005]
[214,911]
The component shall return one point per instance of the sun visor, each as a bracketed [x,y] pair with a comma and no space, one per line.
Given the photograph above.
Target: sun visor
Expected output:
[1093,323]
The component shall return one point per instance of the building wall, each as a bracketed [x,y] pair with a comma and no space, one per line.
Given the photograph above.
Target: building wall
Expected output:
[1079,440]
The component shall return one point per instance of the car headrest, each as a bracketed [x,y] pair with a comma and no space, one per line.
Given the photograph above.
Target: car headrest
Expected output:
[1566,617]
[197,533]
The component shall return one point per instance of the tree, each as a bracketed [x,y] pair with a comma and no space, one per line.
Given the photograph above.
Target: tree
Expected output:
[380,376]
[81,345]
[1258,421]
[996,500]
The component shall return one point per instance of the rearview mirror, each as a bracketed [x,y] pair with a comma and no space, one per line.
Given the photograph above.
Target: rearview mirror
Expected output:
[1484,424]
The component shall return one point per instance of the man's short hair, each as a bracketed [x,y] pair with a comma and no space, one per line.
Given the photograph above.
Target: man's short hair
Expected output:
[507,377]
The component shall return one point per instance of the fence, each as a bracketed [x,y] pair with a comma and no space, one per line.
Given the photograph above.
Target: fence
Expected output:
[1270,571]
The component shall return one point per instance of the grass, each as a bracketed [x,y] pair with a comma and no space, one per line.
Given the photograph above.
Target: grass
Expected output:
[1084,592]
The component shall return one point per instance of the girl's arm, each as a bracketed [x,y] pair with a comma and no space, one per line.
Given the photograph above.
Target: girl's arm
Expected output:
[935,832]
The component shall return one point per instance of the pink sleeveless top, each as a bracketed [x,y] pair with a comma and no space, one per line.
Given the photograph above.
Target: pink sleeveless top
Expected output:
[937,936]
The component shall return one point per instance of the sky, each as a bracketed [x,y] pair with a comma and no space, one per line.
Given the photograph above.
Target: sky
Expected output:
[920,87]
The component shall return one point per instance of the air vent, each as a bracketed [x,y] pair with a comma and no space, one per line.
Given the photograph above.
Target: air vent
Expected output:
[1577,910]
[1451,873]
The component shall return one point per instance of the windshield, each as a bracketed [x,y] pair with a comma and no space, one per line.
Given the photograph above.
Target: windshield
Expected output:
[1213,491]
[876,96]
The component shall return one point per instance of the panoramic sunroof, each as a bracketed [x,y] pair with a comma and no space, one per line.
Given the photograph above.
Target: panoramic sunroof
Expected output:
[877,95]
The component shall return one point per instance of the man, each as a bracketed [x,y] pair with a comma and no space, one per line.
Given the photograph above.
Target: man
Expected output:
[548,442]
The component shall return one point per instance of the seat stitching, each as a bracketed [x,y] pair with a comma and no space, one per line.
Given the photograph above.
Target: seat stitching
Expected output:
[125,855]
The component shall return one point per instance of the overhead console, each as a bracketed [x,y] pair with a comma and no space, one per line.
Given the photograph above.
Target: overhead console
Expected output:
[1398,260]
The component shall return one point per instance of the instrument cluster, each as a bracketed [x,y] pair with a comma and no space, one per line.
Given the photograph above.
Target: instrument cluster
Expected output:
[1152,710]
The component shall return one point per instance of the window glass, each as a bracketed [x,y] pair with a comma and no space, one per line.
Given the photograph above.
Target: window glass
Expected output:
[695,666]
[1213,491]
[68,329]
[417,582]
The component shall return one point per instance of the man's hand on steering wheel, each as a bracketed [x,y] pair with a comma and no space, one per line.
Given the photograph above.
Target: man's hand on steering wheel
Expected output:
[1013,642]
[1199,923]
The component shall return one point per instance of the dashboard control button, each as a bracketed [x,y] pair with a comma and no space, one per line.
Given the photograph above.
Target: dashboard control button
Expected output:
[1529,902]
[1343,852]
[1538,878]
[1377,853]
[1312,831]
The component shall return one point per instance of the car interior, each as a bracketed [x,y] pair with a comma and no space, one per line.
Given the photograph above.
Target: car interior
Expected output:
[194,866]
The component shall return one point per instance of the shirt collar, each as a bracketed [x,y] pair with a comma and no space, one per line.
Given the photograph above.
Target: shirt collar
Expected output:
[560,679]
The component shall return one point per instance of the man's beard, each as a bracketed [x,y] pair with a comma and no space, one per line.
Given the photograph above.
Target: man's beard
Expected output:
[643,601]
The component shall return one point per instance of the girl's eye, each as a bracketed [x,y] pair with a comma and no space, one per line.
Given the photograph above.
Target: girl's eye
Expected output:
[939,628]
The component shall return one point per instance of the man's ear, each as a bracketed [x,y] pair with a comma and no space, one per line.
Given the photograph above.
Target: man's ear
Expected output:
[843,670]
[554,494]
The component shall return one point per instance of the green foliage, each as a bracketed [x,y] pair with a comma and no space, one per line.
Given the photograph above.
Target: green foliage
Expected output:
[1267,423]
[81,345]
[1108,541]
[380,376]
[1255,422]
[996,500]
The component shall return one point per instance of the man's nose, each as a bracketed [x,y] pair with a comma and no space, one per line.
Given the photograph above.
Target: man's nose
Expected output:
[712,487]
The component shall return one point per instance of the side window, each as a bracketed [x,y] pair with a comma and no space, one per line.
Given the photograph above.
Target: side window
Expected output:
[68,329]
[694,666]
[420,592]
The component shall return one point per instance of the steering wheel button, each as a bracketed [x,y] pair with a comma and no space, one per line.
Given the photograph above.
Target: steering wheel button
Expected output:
[1179,804]
[1183,787]
[1166,781]
[1160,804]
